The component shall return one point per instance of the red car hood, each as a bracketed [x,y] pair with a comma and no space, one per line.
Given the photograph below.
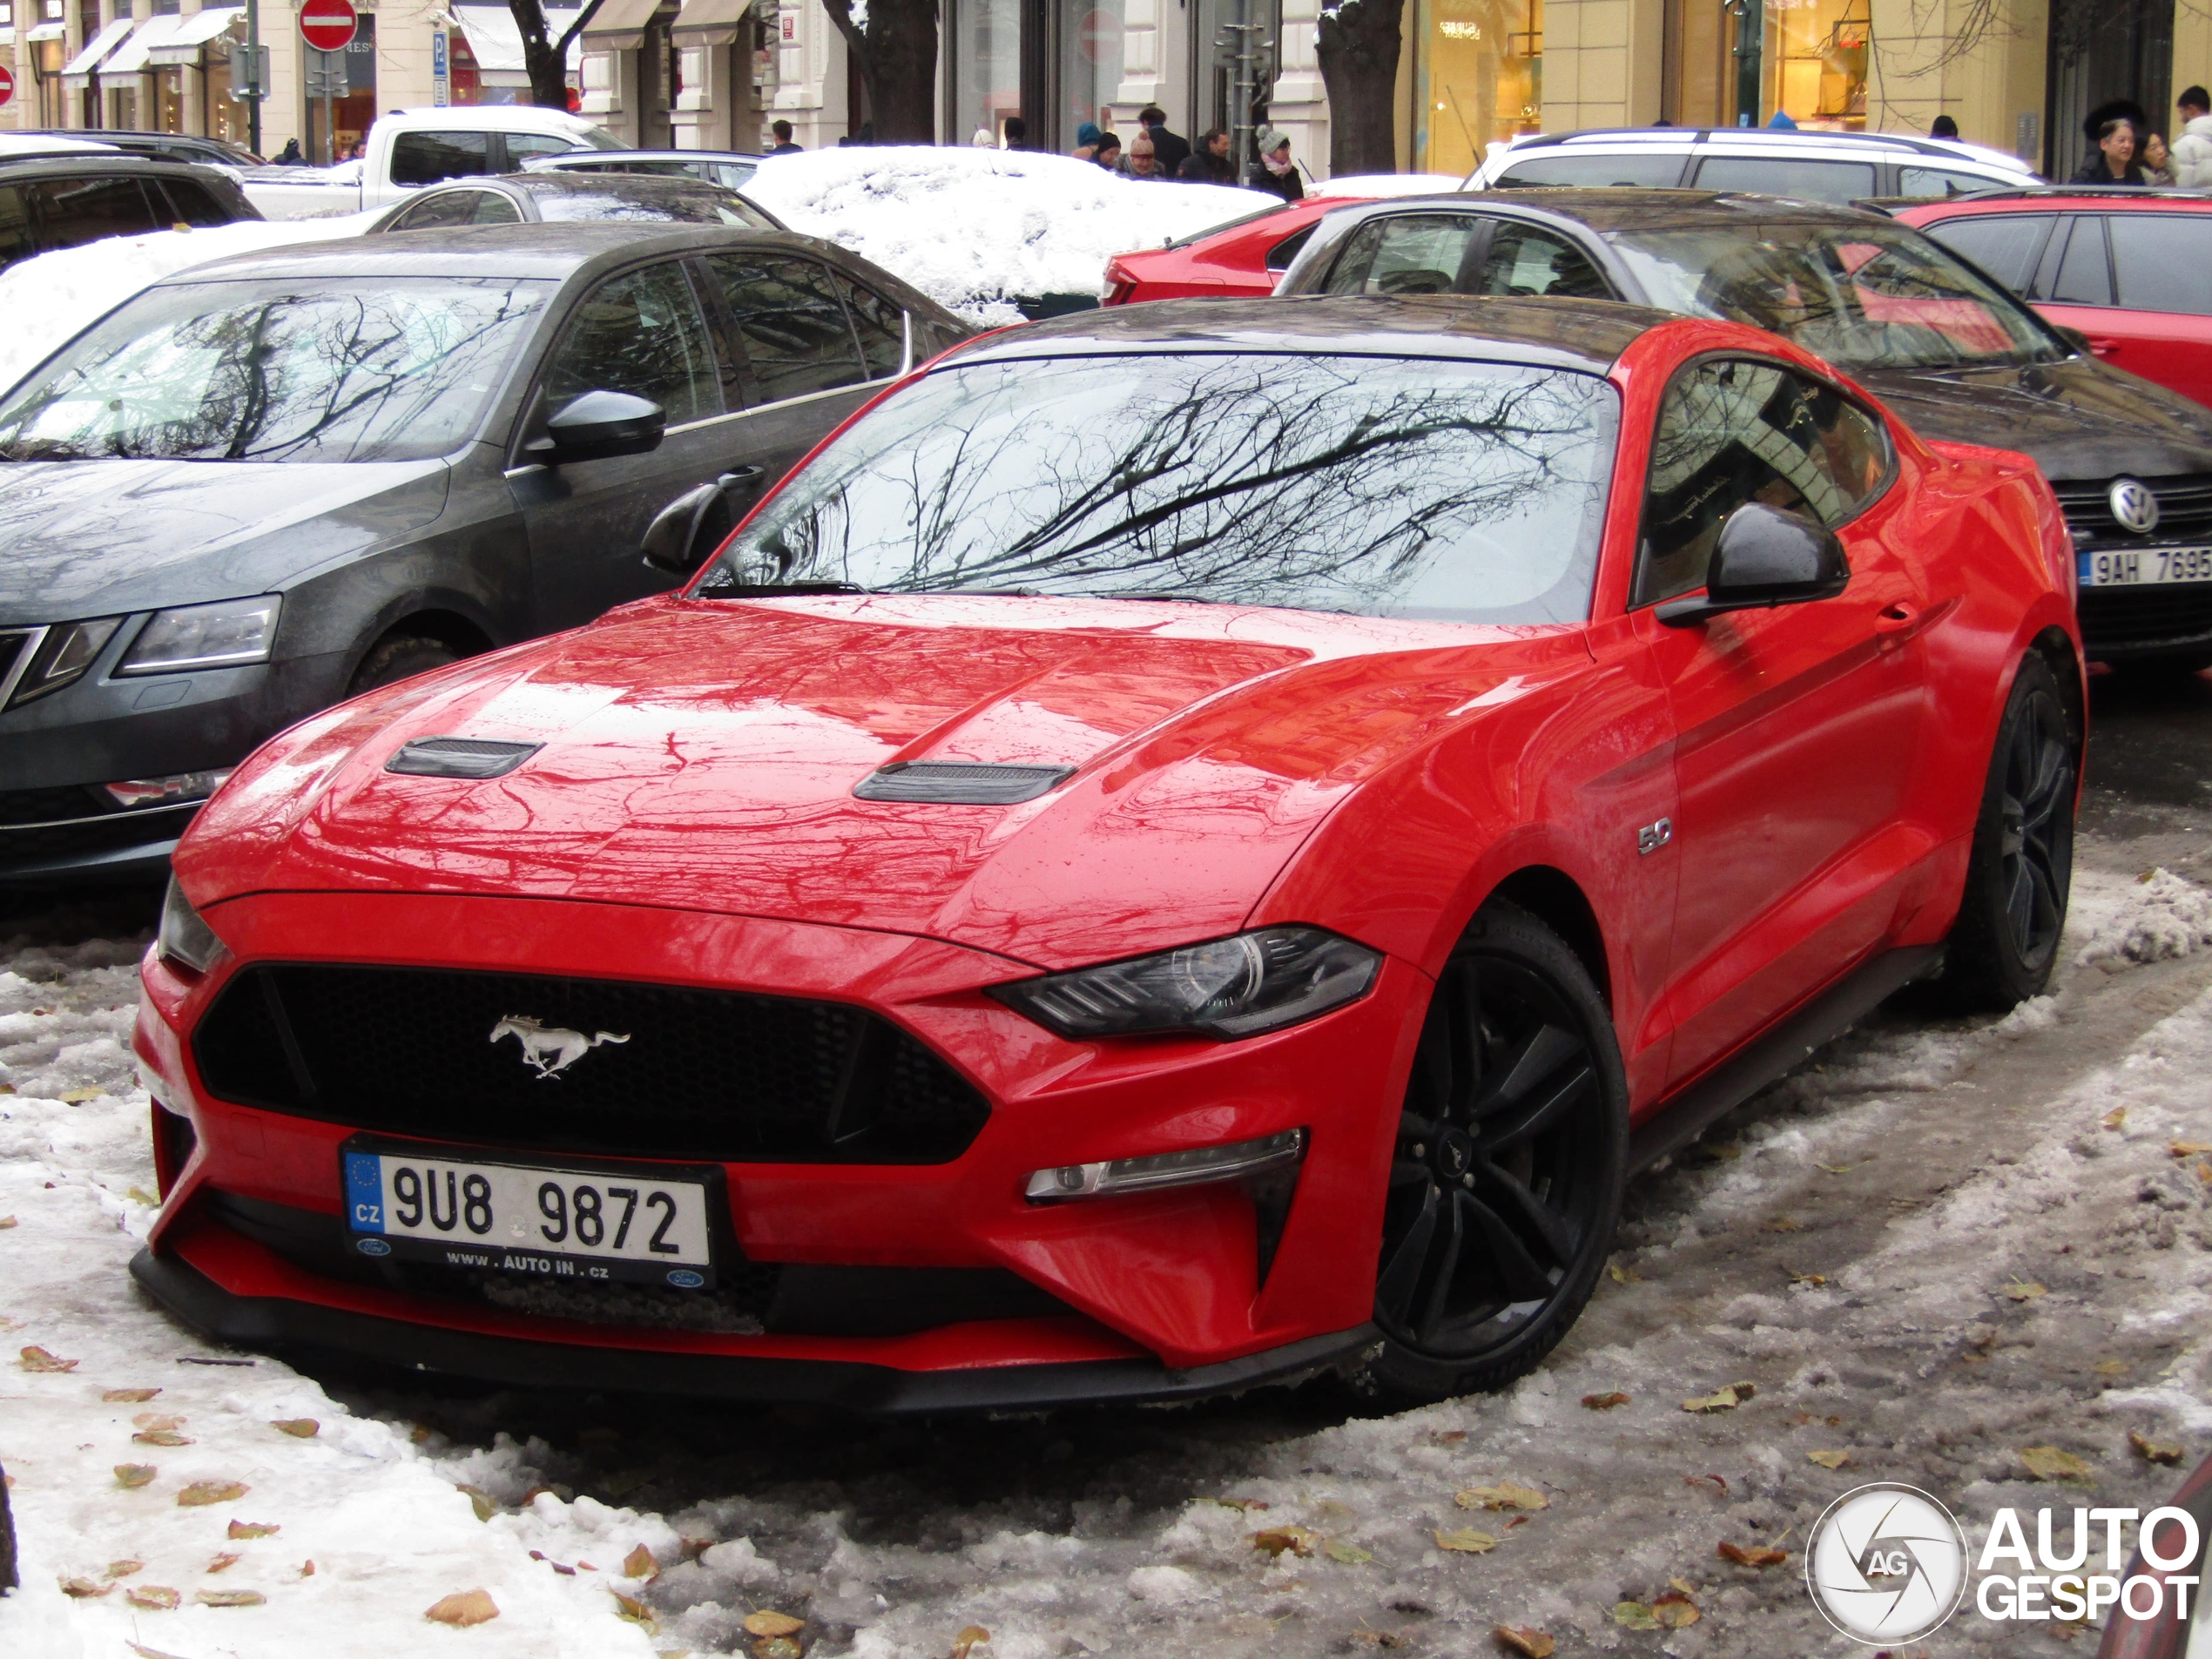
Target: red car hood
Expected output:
[702,756]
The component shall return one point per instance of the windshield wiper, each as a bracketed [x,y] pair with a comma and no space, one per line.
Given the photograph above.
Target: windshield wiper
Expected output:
[774,590]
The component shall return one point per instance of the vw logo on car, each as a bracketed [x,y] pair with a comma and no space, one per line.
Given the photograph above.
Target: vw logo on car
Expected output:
[2134,507]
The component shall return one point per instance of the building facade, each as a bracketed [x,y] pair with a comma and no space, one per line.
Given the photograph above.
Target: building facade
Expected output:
[2016,75]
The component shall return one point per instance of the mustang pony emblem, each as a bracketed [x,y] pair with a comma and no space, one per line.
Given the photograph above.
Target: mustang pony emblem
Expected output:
[550,1048]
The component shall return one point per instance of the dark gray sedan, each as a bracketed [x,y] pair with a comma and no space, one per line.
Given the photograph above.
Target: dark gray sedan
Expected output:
[573,199]
[277,480]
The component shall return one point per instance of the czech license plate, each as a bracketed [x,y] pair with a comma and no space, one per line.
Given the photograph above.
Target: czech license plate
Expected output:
[421,1204]
[2133,566]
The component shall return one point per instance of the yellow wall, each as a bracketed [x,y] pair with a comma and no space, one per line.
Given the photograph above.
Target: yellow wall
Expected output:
[1986,89]
[1602,61]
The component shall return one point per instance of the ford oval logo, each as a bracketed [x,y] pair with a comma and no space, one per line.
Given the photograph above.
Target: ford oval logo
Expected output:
[372,1247]
[2134,507]
[684,1279]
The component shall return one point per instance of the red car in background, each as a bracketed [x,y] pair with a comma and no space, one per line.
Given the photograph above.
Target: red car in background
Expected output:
[1238,260]
[2126,268]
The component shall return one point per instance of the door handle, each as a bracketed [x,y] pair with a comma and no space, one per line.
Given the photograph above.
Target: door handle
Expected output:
[1896,624]
[2103,346]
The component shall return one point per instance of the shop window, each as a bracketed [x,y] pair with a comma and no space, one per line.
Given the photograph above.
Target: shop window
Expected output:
[1818,71]
[1481,79]
[1090,62]
[987,66]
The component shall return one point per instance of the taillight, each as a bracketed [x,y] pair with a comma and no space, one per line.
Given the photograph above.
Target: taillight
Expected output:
[1121,286]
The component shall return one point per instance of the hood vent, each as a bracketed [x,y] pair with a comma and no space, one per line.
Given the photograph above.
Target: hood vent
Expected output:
[961,783]
[460,757]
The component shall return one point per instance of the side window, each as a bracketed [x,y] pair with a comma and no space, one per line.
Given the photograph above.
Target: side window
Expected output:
[1405,254]
[1733,431]
[1280,255]
[521,147]
[640,333]
[193,203]
[426,158]
[2160,259]
[72,211]
[880,325]
[2083,279]
[790,322]
[1938,182]
[447,208]
[1806,178]
[489,207]
[15,227]
[1639,172]
[2006,245]
[1524,260]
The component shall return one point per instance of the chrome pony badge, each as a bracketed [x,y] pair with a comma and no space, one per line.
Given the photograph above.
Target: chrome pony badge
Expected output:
[549,1048]
[2133,508]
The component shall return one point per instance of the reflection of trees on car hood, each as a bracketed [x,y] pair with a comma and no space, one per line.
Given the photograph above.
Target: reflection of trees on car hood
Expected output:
[1375,485]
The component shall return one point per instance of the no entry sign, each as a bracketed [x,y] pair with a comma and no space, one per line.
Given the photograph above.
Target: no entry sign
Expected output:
[328,25]
[7,83]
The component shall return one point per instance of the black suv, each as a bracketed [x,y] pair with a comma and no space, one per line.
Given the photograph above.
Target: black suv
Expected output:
[49,202]
[161,146]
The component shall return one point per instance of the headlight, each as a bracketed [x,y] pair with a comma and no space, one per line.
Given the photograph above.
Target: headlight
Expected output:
[217,636]
[177,788]
[1227,988]
[64,655]
[185,937]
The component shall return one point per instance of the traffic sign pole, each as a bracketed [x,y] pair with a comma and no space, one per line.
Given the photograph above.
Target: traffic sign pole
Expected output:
[329,26]
[254,56]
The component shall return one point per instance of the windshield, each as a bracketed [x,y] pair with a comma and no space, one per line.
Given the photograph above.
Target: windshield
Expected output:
[309,371]
[1863,296]
[703,207]
[599,138]
[1381,487]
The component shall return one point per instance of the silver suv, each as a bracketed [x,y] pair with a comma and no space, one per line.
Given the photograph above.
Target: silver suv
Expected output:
[1839,167]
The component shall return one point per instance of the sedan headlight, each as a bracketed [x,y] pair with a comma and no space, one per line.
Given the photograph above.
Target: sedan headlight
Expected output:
[66,651]
[1227,988]
[184,936]
[226,635]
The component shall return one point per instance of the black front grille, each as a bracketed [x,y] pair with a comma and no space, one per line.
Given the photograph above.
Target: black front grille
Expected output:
[13,643]
[2170,612]
[721,1075]
[2184,510]
[81,818]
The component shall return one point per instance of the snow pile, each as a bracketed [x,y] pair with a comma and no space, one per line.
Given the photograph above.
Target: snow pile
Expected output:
[2158,918]
[54,296]
[974,228]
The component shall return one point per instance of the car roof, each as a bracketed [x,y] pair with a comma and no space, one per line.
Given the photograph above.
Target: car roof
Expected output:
[1682,137]
[482,118]
[104,165]
[614,158]
[2102,197]
[1614,207]
[643,186]
[514,251]
[1589,334]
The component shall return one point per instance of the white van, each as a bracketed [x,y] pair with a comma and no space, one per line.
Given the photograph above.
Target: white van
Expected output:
[1810,165]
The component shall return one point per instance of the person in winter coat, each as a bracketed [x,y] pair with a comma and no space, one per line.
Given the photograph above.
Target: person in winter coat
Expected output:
[1213,149]
[1168,148]
[1142,163]
[1275,172]
[1087,137]
[1108,154]
[2114,162]
[2158,161]
[2192,152]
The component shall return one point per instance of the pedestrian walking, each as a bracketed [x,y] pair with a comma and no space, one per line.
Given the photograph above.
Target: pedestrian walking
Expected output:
[2114,161]
[1168,149]
[2192,156]
[2158,163]
[783,145]
[1274,171]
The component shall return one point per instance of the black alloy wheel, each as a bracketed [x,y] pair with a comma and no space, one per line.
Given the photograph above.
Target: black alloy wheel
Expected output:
[2006,942]
[1505,1184]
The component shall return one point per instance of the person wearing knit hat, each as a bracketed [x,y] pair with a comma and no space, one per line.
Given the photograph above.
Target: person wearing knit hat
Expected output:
[1274,171]
[1087,137]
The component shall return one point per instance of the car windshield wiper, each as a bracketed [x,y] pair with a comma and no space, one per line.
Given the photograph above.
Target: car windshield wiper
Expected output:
[775,589]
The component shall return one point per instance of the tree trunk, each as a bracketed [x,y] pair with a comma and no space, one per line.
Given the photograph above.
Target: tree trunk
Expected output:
[897,50]
[1359,49]
[546,60]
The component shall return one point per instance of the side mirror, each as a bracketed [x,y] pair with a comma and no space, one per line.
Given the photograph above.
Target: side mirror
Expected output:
[597,426]
[690,527]
[2074,338]
[1764,558]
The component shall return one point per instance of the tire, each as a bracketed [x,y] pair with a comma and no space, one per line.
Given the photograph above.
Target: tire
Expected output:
[398,657]
[1507,1177]
[2005,940]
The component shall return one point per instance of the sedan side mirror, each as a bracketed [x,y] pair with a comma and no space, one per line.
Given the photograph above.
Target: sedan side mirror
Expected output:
[597,426]
[1764,558]
[690,527]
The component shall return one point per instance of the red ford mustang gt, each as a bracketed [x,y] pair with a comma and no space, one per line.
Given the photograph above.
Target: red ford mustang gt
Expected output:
[1185,847]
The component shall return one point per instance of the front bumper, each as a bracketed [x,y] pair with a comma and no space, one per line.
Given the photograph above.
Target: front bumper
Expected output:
[1152,1296]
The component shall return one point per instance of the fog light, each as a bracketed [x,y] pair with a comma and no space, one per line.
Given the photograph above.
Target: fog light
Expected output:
[1166,1168]
[158,792]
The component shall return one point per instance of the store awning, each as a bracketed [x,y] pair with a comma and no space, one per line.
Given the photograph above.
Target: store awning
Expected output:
[183,49]
[46,31]
[496,43]
[77,74]
[131,57]
[620,25]
[719,16]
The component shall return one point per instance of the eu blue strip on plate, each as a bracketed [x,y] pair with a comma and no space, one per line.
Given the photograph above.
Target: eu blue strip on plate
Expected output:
[365,1192]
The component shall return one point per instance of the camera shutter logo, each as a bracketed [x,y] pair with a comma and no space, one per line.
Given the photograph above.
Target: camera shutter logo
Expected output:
[1886,1563]
[2133,508]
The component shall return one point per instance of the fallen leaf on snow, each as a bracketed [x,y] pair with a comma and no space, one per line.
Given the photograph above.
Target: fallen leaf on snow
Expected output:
[481,1500]
[1466,1541]
[1683,1585]
[769,1623]
[139,1195]
[129,1396]
[2110,1367]
[2048,1463]
[2024,1289]
[223,1562]
[777,1648]
[300,1428]
[1275,1540]
[202,1493]
[39,1359]
[306,1569]
[1505,1495]
[1349,1554]
[639,1563]
[1702,1480]
[1828,1460]
[1782,1224]
[1674,1610]
[1725,1401]
[633,1611]
[1518,1638]
[161,1437]
[2187,1148]
[6,1222]
[145,1652]
[1603,1402]
[463,1608]
[1837,1169]
[1752,1554]
[80,1589]
[133,1475]
[2152,1451]
[124,1569]
[973,1635]
[254,1529]
[1815,1281]
[155,1598]
[2116,1117]
[1634,1615]
[78,1096]
[1621,1275]
[229,1598]
[1449,1437]
[1245,1504]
